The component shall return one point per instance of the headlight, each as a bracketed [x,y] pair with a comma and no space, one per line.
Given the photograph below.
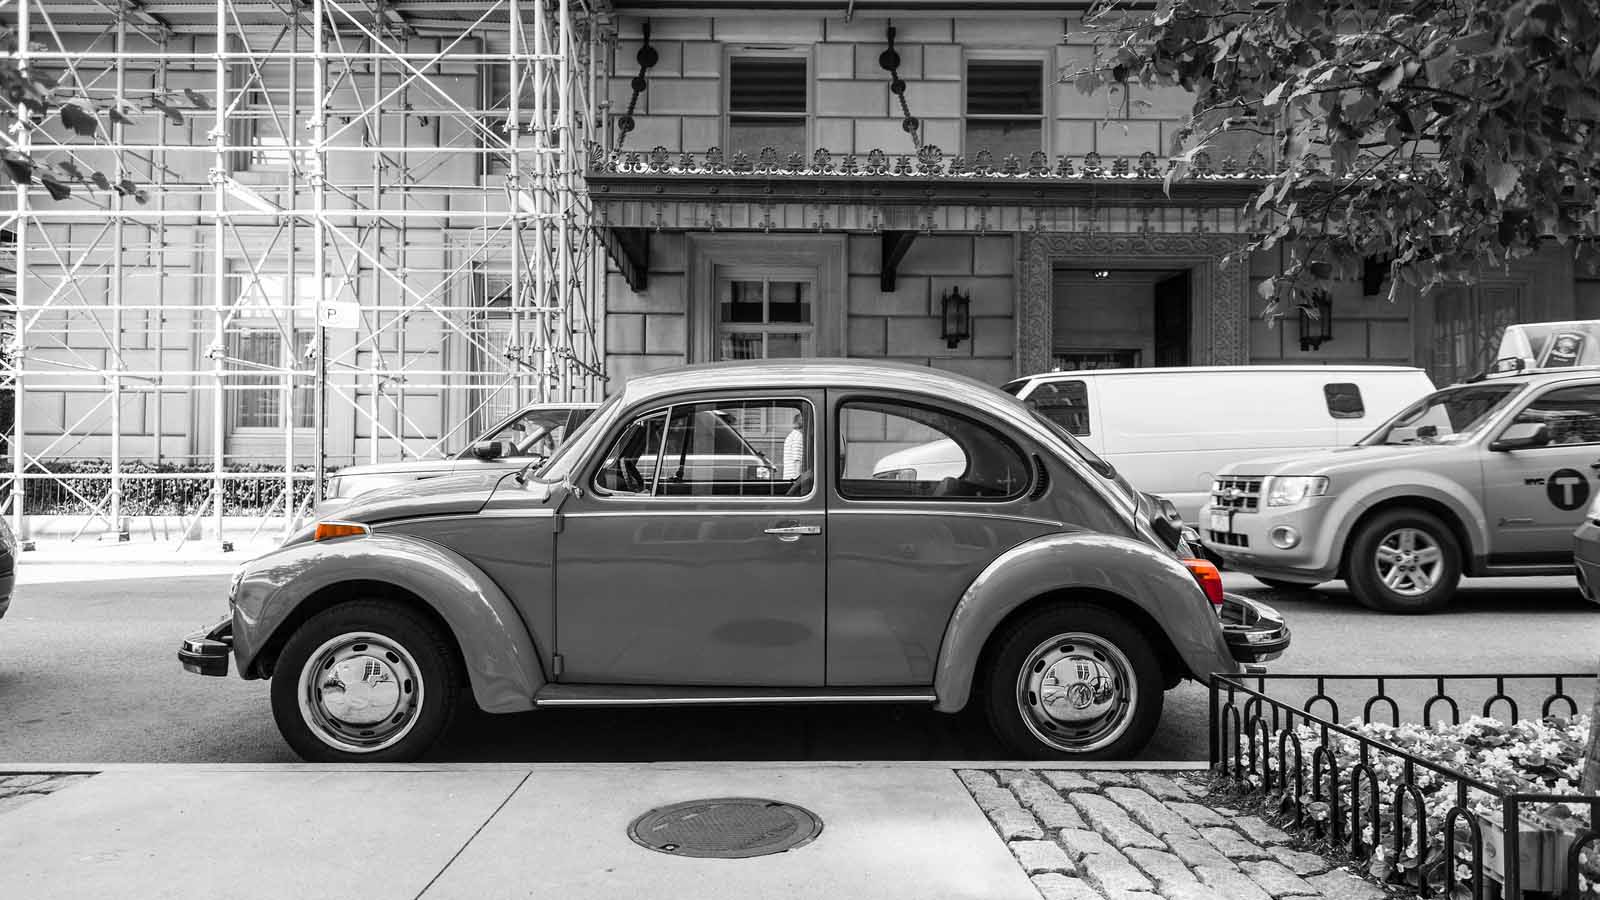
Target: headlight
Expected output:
[1292,489]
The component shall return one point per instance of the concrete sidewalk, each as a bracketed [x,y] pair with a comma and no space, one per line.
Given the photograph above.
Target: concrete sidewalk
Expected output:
[890,830]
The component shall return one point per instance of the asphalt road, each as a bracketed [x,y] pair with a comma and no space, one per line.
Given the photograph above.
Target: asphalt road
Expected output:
[88,674]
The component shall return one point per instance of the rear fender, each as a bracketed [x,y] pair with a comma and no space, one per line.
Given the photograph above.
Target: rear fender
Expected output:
[501,660]
[1130,570]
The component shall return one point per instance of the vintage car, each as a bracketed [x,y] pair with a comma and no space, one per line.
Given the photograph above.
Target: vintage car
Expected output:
[8,566]
[529,435]
[1036,581]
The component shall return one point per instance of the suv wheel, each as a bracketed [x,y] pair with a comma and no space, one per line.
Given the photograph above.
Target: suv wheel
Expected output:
[1073,681]
[1404,561]
[365,681]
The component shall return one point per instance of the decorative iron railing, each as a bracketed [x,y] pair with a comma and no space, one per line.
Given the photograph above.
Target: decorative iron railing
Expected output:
[1473,830]
[929,162]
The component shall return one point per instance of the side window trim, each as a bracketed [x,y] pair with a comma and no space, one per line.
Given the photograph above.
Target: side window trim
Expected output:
[667,411]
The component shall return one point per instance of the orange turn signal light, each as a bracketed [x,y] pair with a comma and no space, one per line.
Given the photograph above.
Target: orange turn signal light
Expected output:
[1210,580]
[327,531]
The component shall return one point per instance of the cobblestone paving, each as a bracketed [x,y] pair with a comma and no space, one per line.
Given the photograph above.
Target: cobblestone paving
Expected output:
[21,789]
[1145,836]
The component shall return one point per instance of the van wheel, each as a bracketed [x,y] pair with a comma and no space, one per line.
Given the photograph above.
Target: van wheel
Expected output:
[364,681]
[1404,561]
[1073,681]
[1278,584]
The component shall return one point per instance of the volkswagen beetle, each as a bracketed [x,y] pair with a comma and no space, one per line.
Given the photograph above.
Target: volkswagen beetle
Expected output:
[716,535]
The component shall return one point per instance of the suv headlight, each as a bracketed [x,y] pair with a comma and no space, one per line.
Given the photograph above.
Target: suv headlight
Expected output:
[1289,490]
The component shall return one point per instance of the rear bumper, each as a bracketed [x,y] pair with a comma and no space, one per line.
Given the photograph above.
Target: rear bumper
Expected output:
[1255,632]
[205,652]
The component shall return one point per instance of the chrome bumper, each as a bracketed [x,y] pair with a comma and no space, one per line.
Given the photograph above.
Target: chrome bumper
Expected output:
[205,652]
[1255,632]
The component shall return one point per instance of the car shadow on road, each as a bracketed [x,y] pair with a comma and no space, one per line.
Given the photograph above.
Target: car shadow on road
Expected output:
[1469,600]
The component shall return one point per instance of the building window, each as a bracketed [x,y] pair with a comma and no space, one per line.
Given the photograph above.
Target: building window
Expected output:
[765,316]
[257,401]
[767,104]
[1005,108]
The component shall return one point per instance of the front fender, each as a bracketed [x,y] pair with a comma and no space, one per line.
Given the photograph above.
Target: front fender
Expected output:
[1378,489]
[501,661]
[1130,570]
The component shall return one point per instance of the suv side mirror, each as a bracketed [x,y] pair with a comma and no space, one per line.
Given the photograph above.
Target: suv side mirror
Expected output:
[487,450]
[1521,436]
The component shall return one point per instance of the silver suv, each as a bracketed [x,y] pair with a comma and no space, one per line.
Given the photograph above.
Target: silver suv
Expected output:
[1484,478]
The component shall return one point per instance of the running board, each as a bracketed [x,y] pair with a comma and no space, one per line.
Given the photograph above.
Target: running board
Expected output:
[661,695]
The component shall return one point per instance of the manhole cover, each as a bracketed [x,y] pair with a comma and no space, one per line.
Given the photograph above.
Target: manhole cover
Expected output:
[726,828]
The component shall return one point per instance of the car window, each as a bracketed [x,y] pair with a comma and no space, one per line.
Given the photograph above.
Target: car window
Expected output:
[1065,403]
[891,450]
[573,450]
[1444,417]
[1344,400]
[728,448]
[1571,413]
[537,432]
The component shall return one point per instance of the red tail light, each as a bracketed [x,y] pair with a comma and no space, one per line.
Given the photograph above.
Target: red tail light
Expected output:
[1209,578]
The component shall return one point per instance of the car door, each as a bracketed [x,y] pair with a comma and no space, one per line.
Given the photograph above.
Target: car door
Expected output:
[903,545]
[1534,498]
[692,557]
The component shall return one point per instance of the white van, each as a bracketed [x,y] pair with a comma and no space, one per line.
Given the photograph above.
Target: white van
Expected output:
[1169,430]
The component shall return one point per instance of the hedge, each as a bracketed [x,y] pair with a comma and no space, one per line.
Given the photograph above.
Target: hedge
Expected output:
[158,496]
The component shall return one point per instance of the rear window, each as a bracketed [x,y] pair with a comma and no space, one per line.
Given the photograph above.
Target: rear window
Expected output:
[1344,400]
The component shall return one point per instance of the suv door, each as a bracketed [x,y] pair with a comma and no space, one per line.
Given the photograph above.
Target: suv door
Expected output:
[692,557]
[904,545]
[1535,498]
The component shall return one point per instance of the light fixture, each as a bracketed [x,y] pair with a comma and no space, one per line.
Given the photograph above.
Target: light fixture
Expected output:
[1102,273]
[955,309]
[1316,322]
[249,197]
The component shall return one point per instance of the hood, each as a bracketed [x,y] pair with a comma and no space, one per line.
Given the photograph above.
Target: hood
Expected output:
[1323,462]
[448,495]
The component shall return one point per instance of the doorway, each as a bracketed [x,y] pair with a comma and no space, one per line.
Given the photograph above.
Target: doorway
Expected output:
[1121,318]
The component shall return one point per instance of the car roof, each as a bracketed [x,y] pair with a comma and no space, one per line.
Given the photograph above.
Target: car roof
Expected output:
[805,373]
[1184,370]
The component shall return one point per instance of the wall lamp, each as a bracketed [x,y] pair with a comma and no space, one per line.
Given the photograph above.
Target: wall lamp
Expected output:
[955,313]
[1316,322]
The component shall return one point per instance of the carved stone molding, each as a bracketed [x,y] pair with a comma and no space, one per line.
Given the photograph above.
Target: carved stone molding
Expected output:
[1219,295]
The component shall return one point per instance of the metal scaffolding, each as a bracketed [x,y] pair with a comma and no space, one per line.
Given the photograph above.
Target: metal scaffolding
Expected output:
[327,232]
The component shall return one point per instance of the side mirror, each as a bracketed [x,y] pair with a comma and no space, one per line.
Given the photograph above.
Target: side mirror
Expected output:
[1522,436]
[487,450]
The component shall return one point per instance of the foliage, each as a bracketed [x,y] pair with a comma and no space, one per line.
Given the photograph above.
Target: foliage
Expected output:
[159,496]
[1446,136]
[1529,756]
[32,94]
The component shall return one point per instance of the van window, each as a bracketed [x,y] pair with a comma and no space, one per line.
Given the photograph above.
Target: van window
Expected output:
[1065,403]
[1344,400]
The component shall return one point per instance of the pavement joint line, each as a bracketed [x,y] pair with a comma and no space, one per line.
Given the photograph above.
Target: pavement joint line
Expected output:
[23,768]
[474,836]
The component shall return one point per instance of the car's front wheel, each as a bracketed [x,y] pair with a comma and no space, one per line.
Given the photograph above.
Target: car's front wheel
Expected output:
[1404,561]
[1073,681]
[365,681]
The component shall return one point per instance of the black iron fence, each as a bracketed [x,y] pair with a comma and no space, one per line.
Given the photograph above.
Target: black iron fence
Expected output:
[1398,798]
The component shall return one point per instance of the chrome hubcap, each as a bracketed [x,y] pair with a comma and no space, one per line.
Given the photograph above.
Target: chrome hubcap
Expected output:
[1409,562]
[1076,692]
[360,692]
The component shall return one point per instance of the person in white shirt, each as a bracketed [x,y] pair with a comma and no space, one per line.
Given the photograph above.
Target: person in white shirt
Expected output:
[794,448]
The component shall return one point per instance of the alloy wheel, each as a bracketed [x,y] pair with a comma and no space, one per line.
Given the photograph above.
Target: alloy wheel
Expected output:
[1408,561]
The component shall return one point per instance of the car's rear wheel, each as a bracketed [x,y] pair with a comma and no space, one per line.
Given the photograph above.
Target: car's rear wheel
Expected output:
[1073,681]
[365,681]
[1404,561]
[1279,584]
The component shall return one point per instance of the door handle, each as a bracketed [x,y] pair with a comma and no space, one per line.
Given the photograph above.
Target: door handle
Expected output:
[790,533]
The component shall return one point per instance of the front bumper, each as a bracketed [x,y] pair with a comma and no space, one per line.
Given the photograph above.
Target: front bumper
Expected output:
[1244,540]
[1255,632]
[205,652]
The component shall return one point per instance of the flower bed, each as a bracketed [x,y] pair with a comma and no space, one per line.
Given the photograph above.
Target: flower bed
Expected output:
[1544,756]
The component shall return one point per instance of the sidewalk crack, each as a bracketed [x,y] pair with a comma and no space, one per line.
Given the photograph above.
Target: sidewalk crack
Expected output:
[468,842]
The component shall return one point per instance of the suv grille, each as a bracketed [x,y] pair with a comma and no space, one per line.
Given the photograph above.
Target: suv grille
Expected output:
[1238,494]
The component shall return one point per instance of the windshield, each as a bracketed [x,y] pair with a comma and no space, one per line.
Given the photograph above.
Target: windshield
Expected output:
[1103,468]
[1444,417]
[563,458]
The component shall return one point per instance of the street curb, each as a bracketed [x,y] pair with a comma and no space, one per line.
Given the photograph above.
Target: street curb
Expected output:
[9,768]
